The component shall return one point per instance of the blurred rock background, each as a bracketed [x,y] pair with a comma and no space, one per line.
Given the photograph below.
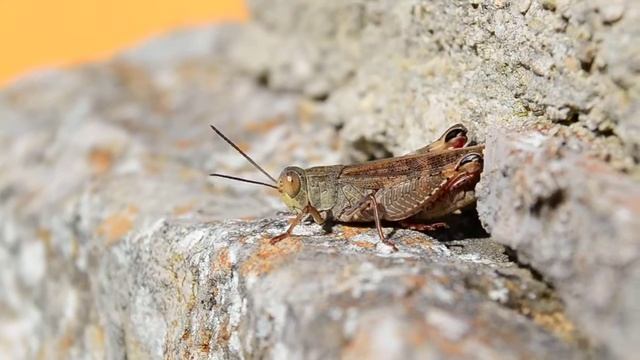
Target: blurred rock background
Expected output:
[115,243]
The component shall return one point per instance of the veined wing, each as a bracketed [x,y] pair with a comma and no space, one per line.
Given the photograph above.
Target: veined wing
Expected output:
[380,173]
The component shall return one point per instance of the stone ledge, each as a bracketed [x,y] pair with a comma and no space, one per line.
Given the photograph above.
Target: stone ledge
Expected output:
[220,289]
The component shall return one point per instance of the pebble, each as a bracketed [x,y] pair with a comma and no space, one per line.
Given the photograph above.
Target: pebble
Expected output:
[523,6]
[611,11]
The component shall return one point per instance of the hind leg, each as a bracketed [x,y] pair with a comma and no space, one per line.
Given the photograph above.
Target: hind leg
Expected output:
[369,203]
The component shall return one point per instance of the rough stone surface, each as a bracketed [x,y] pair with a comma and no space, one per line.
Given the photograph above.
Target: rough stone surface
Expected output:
[575,219]
[396,72]
[114,242]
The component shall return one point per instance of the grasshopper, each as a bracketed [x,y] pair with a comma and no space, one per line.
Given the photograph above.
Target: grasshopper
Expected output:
[426,184]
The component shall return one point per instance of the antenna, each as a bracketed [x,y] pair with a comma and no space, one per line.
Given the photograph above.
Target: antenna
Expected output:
[245,156]
[243,180]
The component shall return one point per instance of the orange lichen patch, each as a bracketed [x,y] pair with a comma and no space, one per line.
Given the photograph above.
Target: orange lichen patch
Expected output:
[268,256]
[134,348]
[359,347]
[315,158]
[140,84]
[95,336]
[264,125]
[418,335]
[118,225]
[100,160]
[416,241]
[572,63]
[222,261]
[183,209]
[364,244]
[205,339]
[189,174]
[307,110]
[224,333]
[628,201]
[154,164]
[213,188]
[351,231]
[45,236]
[75,247]
[450,348]
[65,343]
[556,322]
[244,146]
[185,335]
[184,144]
[414,282]
[336,143]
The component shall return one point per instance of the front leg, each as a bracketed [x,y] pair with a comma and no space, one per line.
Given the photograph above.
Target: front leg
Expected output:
[308,210]
[317,217]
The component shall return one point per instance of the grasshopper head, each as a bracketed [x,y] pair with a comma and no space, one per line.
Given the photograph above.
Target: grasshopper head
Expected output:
[292,185]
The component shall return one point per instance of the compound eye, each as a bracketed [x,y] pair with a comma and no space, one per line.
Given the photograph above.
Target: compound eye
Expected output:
[291,183]
[470,160]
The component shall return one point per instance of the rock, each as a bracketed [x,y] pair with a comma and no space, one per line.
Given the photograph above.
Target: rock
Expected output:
[115,242]
[574,219]
[220,289]
[400,72]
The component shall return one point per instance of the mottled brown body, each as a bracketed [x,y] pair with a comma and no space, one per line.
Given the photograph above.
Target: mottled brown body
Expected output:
[403,187]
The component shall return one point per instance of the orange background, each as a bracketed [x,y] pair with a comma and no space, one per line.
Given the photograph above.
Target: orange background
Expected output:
[45,33]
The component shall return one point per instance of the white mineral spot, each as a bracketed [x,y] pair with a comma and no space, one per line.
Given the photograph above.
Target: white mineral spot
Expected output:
[336,314]
[385,338]
[451,326]
[534,140]
[33,262]
[280,351]
[147,321]
[191,239]
[306,230]
[384,248]
[442,293]
[10,232]
[71,304]
[475,258]
[500,295]
[350,324]
[263,327]
[500,4]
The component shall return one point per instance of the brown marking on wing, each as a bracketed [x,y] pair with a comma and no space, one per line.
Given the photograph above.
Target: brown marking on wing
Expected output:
[378,174]
[410,197]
